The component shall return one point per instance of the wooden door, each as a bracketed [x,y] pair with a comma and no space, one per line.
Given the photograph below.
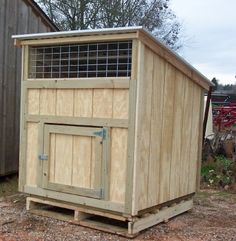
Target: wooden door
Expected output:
[73,160]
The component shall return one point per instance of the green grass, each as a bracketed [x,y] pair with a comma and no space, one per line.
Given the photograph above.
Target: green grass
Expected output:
[8,185]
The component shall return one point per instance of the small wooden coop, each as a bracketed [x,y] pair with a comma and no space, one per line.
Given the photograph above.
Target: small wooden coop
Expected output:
[111,125]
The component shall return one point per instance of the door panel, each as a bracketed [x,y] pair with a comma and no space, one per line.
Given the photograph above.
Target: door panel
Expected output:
[73,160]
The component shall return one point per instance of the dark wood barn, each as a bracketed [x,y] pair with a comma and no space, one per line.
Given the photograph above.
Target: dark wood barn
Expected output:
[16,17]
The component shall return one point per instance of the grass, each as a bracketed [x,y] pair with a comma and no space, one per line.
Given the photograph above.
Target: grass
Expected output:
[8,185]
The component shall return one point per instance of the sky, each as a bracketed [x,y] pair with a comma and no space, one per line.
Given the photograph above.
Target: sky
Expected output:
[209,30]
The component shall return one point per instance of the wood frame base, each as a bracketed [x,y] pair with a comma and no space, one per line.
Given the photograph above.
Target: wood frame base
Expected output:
[107,222]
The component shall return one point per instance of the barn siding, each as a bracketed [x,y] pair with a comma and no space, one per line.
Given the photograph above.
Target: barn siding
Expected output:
[167,132]
[16,17]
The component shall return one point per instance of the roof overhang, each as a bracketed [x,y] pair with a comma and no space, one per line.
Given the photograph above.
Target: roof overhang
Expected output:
[139,32]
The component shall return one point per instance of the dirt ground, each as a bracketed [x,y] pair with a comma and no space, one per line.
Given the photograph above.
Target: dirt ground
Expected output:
[212,218]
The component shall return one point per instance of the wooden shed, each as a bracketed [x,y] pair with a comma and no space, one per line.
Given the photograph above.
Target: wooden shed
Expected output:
[16,17]
[111,125]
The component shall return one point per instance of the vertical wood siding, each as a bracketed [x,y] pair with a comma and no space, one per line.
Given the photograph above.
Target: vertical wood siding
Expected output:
[167,132]
[16,17]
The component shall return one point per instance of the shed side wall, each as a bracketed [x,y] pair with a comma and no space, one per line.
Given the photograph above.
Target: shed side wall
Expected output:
[168,128]
[15,18]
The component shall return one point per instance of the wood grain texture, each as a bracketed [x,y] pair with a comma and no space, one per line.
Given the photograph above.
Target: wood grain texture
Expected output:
[143,127]
[33,101]
[195,139]
[64,155]
[119,138]
[121,104]
[32,154]
[47,102]
[15,18]
[82,157]
[65,103]
[156,129]
[167,133]
[176,171]
[102,103]
[83,102]
[186,136]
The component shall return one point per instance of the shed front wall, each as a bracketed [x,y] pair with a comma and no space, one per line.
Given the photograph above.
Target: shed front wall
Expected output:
[167,132]
[15,18]
[86,103]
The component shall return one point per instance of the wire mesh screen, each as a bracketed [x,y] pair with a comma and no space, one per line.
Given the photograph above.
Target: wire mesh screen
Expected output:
[111,59]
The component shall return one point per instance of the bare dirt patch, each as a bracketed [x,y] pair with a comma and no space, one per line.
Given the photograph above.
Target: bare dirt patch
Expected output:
[212,218]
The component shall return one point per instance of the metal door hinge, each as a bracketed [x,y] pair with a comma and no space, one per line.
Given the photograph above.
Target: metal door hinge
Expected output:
[101,133]
[43,157]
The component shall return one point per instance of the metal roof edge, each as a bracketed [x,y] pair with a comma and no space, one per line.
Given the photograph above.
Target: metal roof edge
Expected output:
[74,33]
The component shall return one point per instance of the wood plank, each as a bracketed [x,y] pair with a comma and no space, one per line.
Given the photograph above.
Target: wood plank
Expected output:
[30,201]
[161,216]
[167,133]
[63,165]
[79,121]
[32,154]
[143,129]
[33,101]
[81,83]
[83,103]
[82,157]
[119,139]
[65,102]
[186,136]
[47,102]
[52,156]
[176,170]
[121,104]
[70,198]
[156,128]
[102,103]
[195,138]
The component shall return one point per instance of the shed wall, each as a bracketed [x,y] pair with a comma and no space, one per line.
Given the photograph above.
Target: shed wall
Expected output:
[168,128]
[16,17]
[89,103]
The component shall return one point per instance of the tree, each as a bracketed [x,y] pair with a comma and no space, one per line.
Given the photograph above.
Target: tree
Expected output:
[155,15]
[216,84]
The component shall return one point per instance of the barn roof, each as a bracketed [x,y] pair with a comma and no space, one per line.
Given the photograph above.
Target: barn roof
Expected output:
[143,34]
[38,11]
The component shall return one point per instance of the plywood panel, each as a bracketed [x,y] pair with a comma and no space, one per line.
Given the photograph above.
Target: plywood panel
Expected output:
[156,128]
[143,135]
[63,164]
[32,154]
[121,104]
[82,157]
[47,102]
[176,171]
[196,133]
[119,138]
[102,103]
[33,101]
[167,133]
[65,102]
[83,103]
[186,136]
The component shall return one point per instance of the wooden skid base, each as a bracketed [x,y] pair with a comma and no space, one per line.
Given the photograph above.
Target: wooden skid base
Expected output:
[106,222]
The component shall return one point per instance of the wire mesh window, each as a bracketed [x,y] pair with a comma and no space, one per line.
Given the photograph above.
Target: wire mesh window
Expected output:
[111,59]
